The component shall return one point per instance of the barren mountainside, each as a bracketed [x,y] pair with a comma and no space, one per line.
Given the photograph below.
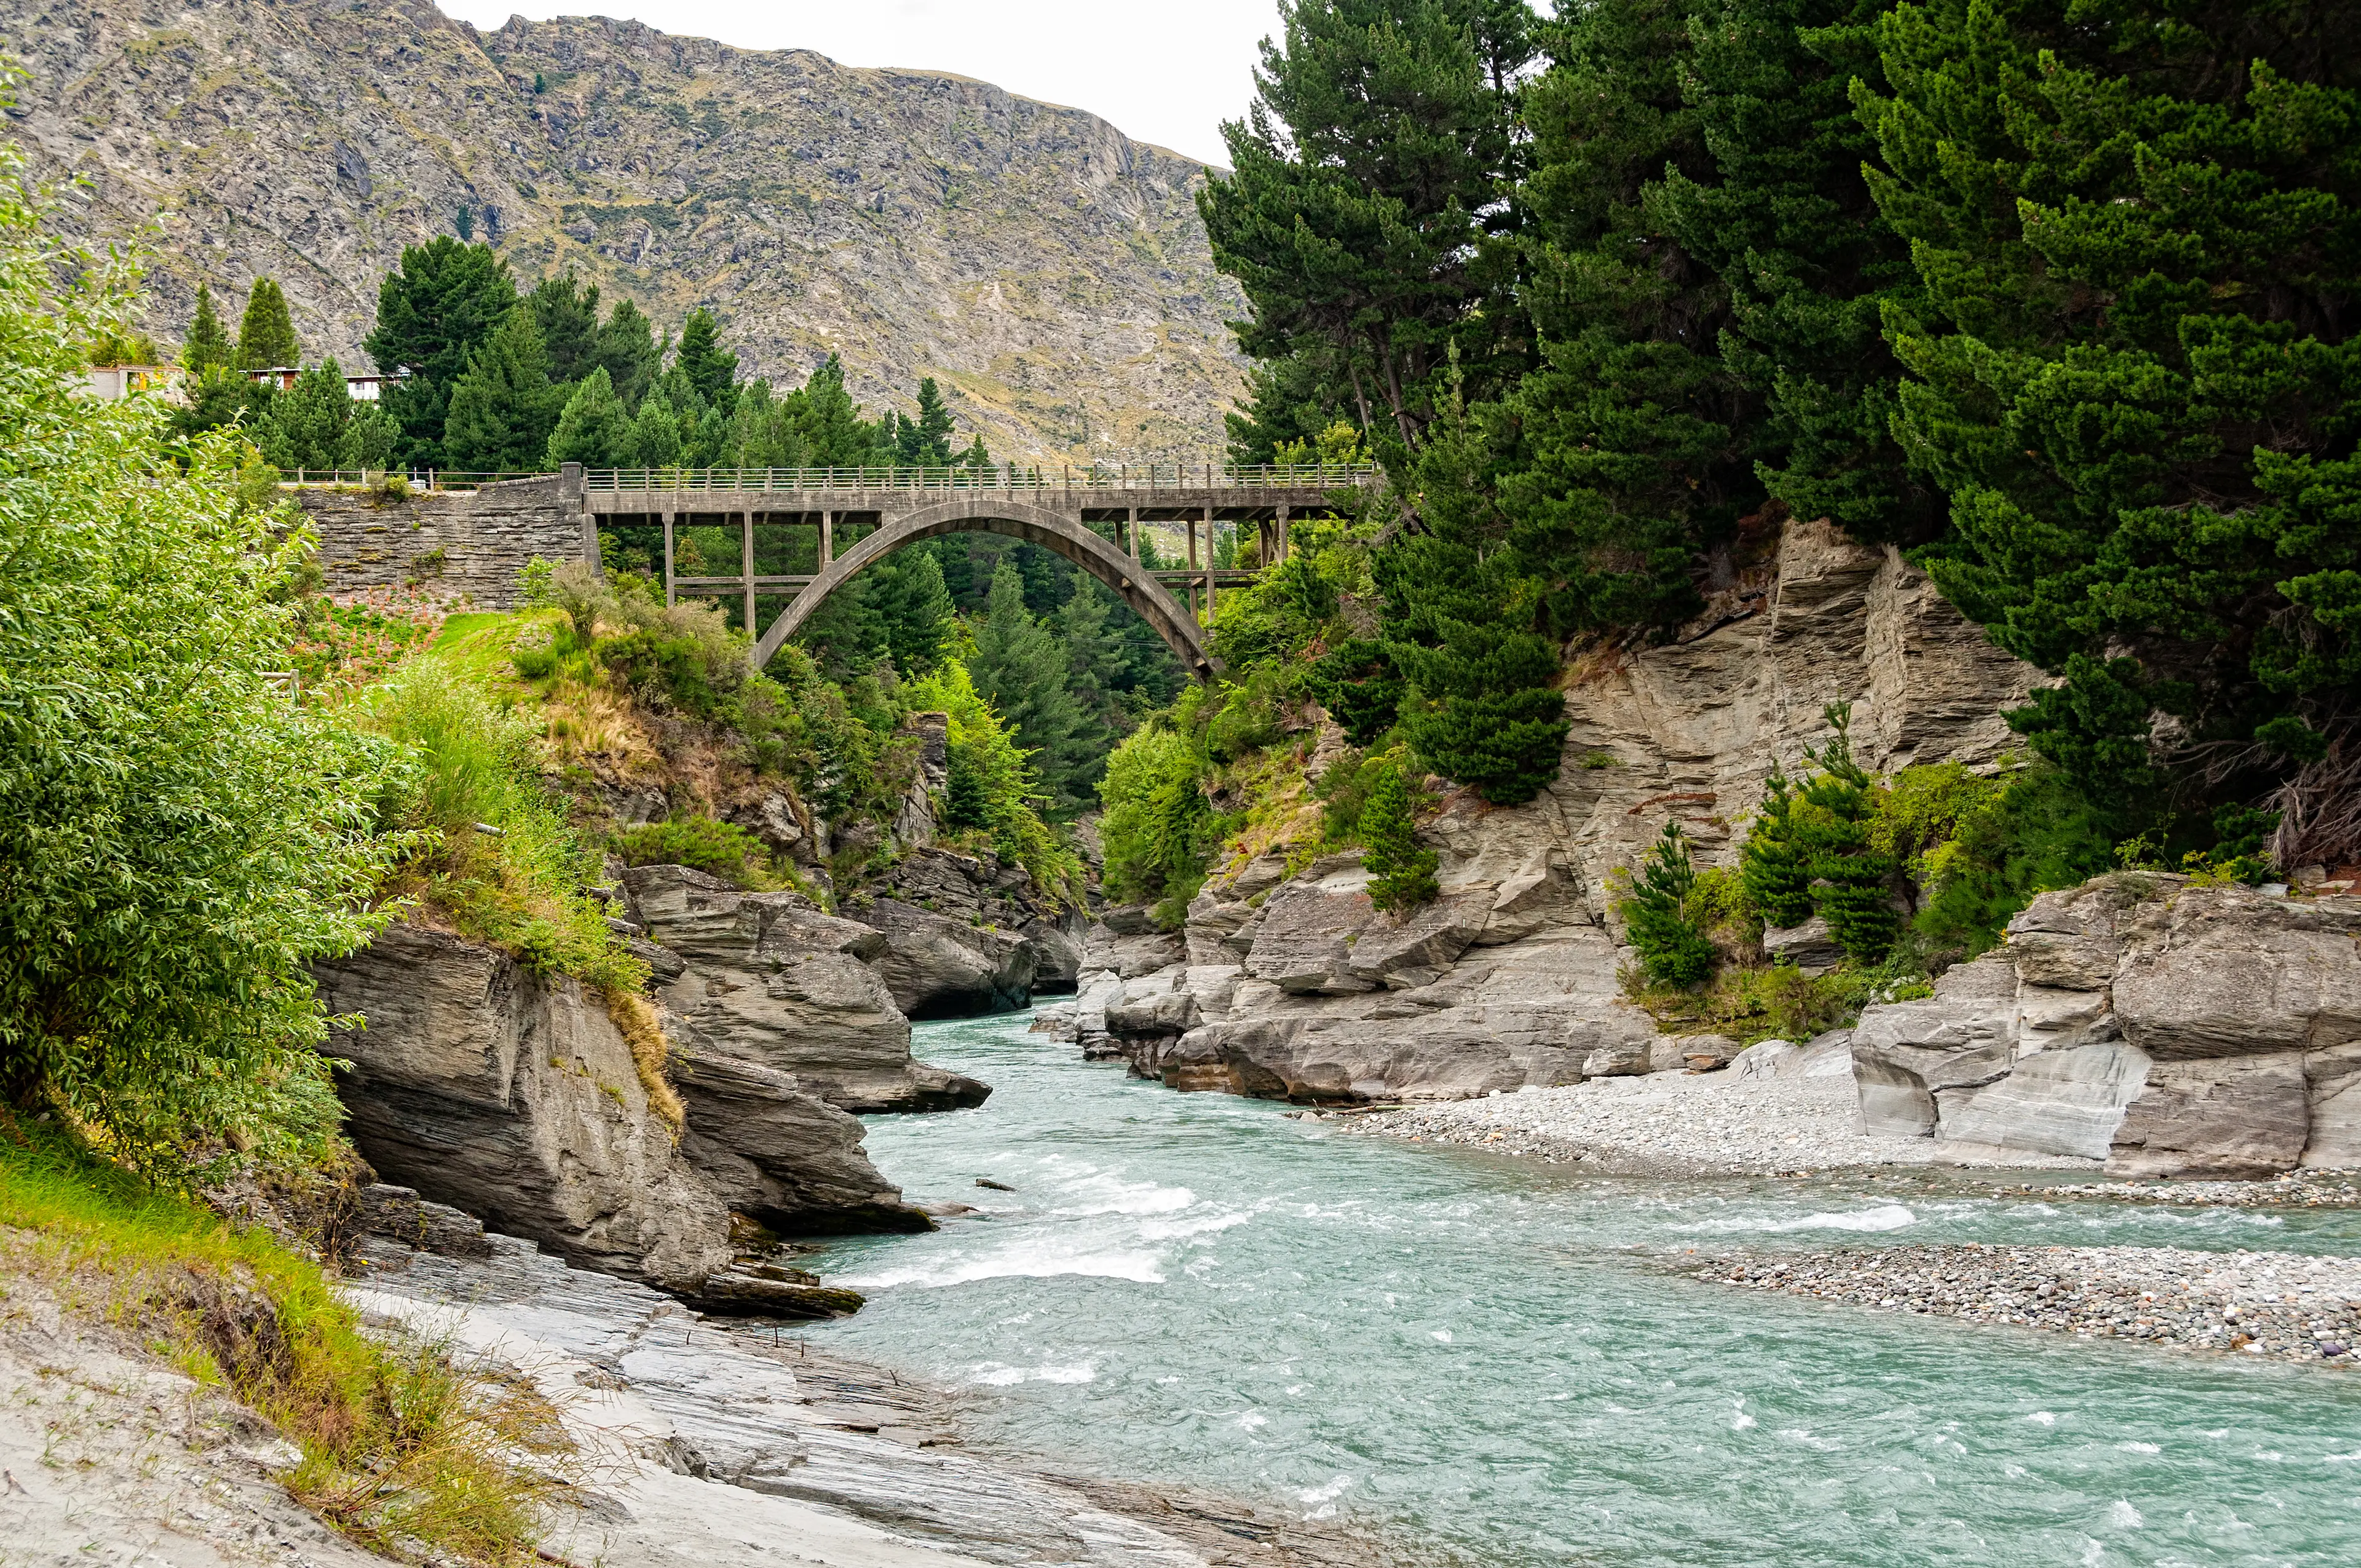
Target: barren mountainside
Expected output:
[1051,273]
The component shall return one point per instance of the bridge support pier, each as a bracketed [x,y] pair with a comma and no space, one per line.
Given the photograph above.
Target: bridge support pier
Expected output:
[1208,560]
[667,523]
[746,565]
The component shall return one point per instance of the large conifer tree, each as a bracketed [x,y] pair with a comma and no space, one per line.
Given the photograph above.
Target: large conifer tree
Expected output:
[504,407]
[2135,374]
[1361,213]
[1020,667]
[266,336]
[444,301]
[207,348]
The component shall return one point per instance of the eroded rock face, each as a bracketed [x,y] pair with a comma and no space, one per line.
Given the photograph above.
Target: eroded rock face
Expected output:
[2165,1028]
[964,935]
[771,980]
[940,968]
[1299,987]
[516,1100]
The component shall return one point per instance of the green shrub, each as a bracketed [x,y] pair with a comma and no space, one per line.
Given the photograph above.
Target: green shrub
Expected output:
[1402,875]
[1159,830]
[1675,951]
[723,848]
[520,886]
[180,839]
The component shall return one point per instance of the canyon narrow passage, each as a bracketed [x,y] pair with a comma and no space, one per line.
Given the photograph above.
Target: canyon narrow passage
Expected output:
[1495,1362]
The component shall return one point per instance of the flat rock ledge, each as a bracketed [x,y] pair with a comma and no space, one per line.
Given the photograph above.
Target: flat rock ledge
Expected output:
[1671,1124]
[2273,1306]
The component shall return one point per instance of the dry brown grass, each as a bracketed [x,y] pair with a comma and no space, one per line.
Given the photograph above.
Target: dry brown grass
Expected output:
[642,1030]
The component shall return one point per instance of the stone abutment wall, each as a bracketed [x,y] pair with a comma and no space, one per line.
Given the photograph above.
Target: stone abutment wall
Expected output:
[460,543]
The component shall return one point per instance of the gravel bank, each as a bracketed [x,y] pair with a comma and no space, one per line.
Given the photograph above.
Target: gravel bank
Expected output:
[2292,1189]
[1673,1124]
[2279,1305]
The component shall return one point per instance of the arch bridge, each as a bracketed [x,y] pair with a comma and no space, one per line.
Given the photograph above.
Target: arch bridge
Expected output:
[854,518]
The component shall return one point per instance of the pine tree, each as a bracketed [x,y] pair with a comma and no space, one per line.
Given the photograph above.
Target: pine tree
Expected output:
[1656,919]
[1402,875]
[1786,220]
[1094,657]
[2135,374]
[1777,883]
[1631,447]
[1833,839]
[763,432]
[1355,216]
[568,314]
[504,407]
[924,441]
[833,431]
[443,303]
[1020,669]
[207,347]
[266,336]
[654,438]
[306,422]
[710,368]
[593,429]
[914,610]
[626,349]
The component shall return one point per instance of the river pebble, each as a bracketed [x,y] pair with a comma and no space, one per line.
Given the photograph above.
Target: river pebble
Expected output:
[1673,1124]
[2275,1306]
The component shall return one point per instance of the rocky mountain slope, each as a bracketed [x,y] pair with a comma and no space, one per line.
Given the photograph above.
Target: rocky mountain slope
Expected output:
[1050,271]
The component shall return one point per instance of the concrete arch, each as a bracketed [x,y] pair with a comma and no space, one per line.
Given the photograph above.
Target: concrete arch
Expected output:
[1054,530]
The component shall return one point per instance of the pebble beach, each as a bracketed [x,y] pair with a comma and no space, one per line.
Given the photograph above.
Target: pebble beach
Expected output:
[2279,1305]
[1670,1123]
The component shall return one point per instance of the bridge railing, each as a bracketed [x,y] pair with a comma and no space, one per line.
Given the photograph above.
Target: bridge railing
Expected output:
[996,477]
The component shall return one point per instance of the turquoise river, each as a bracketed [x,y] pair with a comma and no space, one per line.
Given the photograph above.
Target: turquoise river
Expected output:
[1480,1354]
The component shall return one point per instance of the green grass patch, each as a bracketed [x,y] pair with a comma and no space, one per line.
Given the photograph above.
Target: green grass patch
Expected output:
[402,1451]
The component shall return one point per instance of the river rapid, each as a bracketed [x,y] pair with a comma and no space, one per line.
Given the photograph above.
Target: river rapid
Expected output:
[1477,1356]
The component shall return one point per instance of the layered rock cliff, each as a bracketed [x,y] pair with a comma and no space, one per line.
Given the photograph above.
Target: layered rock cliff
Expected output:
[1298,986]
[1048,270]
[2167,1028]
[519,1101]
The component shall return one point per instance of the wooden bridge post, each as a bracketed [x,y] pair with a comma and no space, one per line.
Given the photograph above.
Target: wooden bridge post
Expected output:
[1209,551]
[826,539]
[746,563]
[667,523]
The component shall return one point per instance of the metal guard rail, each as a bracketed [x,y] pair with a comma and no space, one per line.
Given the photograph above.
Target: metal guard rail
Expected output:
[999,477]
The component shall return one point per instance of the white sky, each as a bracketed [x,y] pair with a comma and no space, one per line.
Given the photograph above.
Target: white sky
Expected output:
[1164,74]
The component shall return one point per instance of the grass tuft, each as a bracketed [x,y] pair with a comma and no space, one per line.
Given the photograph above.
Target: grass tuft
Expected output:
[401,1449]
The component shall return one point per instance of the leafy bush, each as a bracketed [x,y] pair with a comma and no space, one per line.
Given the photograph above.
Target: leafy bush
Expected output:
[181,839]
[520,886]
[1159,830]
[1675,951]
[723,848]
[991,783]
[1401,874]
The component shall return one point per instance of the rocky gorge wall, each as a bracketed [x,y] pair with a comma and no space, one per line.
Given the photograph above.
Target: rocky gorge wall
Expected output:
[1298,986]
[517,1100]
[2167,1028]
